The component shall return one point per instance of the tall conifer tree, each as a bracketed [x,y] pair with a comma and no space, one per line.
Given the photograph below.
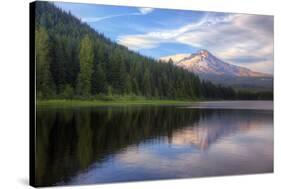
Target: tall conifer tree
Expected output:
[86,58]
[44,84]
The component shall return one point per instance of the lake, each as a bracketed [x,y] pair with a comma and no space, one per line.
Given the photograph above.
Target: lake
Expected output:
[131,143]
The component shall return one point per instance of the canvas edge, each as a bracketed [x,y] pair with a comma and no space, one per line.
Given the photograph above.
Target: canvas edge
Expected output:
[32,94]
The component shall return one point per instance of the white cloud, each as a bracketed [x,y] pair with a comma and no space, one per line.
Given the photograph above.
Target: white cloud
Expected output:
[146,10]
[142,11]
[240,39]
[97,19]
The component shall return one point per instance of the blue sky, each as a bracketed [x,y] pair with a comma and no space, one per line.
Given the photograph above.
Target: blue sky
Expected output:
[240,39]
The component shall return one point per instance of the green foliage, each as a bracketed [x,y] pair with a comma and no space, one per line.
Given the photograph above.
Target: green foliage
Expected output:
[86,58]
[68,92]
[109,91]
[146,84]
[135,87]
[99,85]
[254,95]
[43,75]
[128,84]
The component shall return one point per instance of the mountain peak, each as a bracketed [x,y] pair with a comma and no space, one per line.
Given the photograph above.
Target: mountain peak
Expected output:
[204,53]
[208,67]
[203,62]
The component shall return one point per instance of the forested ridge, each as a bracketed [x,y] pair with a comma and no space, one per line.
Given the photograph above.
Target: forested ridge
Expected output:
[75,61]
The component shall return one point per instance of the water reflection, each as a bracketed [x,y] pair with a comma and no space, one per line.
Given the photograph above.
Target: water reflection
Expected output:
[219,124]
[109,144]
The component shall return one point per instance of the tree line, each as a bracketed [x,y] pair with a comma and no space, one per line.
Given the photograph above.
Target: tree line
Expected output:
[75,61]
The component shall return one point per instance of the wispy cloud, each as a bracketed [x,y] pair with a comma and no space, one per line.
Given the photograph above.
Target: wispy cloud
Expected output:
[145,10]
[241,39]
[141,11]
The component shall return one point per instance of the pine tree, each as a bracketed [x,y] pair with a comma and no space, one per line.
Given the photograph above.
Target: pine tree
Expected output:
[123,83]
[86,58]
[68,92]
[146,83]
[44,84]
[135,87]
[128,84]
[99,81]
[114,75]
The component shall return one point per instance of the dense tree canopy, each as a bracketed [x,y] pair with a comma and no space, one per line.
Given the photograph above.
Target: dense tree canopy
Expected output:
[75,61]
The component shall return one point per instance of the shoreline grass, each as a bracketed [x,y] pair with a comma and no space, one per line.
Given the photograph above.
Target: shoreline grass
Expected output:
[57,103]
[117,102]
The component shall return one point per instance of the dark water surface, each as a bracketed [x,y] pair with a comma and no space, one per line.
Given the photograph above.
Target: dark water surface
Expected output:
[132,143]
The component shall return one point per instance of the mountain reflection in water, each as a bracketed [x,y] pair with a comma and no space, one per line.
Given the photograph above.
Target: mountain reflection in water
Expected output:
[112,144]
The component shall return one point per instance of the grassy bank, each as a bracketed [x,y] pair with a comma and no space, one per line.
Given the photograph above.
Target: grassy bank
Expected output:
[108,102]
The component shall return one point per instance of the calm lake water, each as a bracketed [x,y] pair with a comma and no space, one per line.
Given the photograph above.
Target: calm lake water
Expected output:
[132,143]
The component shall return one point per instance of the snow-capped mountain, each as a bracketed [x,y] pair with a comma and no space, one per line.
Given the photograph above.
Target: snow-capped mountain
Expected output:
[203,62]
[209,67]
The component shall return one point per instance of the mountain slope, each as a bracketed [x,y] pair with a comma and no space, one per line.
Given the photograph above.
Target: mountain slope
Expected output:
[209,67]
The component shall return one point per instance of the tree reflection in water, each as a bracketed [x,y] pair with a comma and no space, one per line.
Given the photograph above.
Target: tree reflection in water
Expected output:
[70,141]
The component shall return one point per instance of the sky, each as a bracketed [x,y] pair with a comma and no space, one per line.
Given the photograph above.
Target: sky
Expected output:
[241,39]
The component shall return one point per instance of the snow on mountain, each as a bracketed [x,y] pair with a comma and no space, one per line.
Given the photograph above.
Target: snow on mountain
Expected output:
[204,63]
[175,58]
